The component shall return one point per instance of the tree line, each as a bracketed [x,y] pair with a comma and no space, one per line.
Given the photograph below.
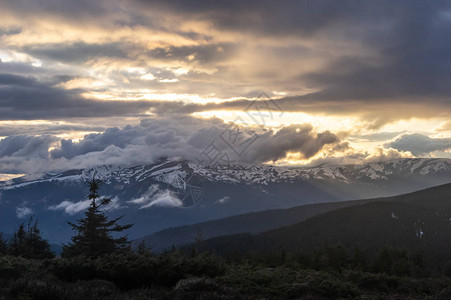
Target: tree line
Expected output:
[93,233]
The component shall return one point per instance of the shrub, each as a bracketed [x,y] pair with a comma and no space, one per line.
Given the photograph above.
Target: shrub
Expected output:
[12,267]
[133,270]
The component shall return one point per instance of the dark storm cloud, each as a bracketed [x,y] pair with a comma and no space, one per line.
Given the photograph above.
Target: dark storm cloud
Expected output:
[65,9]
[306,17]
[420,144]
[411,40]
[81,52]
[77,52]
[268,17]
[42,129]
[415,61]
[24,98]
[16,68]
[408,44]
[10,31]
[295,138]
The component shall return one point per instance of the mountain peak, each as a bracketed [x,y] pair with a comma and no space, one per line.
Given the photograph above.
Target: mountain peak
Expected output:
[249,174]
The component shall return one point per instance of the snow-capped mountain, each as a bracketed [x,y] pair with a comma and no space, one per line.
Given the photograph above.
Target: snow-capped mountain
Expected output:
[172,193]
[172,171]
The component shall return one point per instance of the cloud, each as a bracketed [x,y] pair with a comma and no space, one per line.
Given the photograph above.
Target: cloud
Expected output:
[12,129]
[9,31]
[353,156]
[164,199]
[73,208]
[445,126]
[97,142]
[23,212]
[157,197]
[377,61]
[210,53]
[337,58]
[354,56]
[273,146]
[26,146]
[378,136]
[223,200]
[400,46]
[78,52]
[267,17]
[187,137]
[419,144]
[154,138]
[114,204]
[24,98]
[381,154]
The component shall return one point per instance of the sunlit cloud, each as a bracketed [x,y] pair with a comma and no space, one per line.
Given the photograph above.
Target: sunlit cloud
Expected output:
[6,177]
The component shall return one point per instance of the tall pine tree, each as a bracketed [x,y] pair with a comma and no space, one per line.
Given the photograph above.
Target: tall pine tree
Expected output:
[93,236]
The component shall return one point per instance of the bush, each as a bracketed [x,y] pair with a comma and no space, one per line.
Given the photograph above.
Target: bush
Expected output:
[38,289]
[12,267]
[133,270]
[196,284]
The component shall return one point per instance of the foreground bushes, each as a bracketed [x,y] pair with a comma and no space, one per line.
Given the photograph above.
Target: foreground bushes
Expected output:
[177,276]
[286,283]
[133,270]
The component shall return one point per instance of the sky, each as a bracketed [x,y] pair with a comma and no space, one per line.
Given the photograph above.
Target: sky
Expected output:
[128,82]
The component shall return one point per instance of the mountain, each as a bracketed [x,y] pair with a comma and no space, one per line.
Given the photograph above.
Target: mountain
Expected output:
[174,193]
[252,223]
[419,222]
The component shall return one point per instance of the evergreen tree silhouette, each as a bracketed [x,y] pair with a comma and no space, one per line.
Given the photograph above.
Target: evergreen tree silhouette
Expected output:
[3,245]
[27,242]
[93,232]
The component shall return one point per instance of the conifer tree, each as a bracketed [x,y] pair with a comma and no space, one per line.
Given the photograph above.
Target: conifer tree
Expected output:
[3,245]
[93,236]
[143,248]
[197,242]
[27,242]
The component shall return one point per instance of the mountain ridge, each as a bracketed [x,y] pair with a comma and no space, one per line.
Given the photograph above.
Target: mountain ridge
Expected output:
[236,173]
[256,222]
[160,196]
[418,221]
